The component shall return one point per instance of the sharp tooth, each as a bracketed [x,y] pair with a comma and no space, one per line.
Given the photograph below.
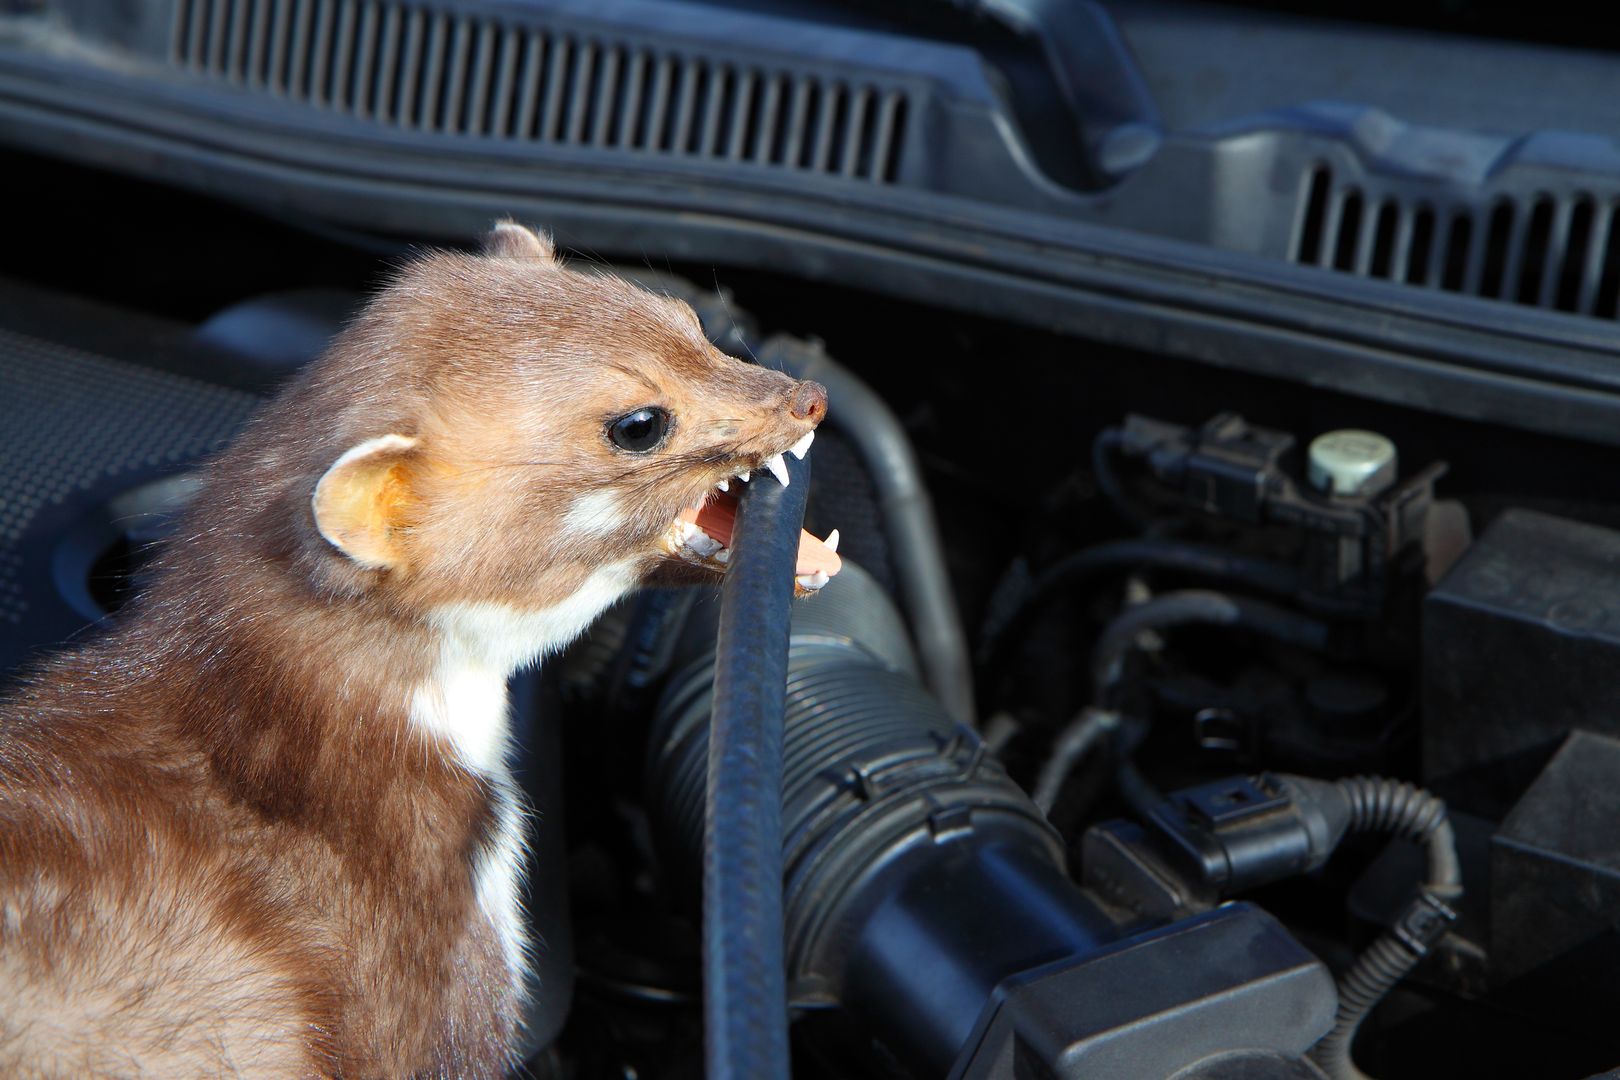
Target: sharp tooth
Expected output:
[723,555]
[743,476]
[802,447]
[812,582]
[778,469]
[831,543]
[724,485]
[704,544]
[820,577]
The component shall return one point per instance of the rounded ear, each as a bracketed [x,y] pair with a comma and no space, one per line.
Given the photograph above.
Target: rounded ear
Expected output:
[361,500]
[510,240]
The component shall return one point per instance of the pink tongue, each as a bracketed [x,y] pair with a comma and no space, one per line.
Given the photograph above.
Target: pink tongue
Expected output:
[718,518]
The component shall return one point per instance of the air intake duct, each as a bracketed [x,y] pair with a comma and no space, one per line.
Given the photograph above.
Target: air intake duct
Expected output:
[917,875]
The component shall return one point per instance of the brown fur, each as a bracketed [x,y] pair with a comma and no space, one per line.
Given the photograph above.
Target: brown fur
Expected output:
[224,847]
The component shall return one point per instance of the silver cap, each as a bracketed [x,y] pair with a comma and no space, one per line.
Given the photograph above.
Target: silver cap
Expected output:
[1352,462]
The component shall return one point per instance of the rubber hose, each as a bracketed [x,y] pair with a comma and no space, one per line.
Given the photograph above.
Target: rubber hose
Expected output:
[1104,448]
[1194,606]
[1084,567]
[1072,745]
[745,990]
[1189,606]
[908,516]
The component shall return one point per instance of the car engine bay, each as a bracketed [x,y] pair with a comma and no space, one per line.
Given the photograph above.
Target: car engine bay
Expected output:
[1220,675]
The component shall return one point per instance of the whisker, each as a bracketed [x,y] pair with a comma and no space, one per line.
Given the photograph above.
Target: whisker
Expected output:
[727,309]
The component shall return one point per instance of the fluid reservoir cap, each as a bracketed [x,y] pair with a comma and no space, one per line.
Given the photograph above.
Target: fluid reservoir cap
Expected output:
[1352,462]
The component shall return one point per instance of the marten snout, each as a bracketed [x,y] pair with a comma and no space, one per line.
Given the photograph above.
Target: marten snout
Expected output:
[809,402]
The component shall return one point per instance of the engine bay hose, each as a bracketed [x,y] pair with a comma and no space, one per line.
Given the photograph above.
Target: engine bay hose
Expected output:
[1108,657]
[908,516]
[744,983]
[1104,448]
[1190,607]
[1001,641]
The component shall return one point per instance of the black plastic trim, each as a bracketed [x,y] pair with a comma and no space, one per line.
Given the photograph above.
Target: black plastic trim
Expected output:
[1452,354]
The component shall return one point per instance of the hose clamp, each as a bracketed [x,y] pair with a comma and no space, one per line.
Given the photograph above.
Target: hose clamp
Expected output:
[1424,922]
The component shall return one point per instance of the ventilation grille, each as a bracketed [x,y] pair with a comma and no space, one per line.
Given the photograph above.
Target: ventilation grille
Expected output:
[447,73]
[1550,251]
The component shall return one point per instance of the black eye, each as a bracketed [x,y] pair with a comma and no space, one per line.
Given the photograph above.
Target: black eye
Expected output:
[640,431]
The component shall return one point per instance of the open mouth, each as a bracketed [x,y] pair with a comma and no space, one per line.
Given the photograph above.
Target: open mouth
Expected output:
[702,535]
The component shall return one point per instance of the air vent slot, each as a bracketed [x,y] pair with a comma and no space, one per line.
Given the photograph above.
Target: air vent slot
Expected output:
[450,73]
[1557,251]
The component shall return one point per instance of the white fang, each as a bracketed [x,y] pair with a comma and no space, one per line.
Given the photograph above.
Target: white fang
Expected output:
[778,469]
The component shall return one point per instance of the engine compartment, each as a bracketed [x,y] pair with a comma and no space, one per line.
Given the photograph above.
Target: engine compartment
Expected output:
[1450,629]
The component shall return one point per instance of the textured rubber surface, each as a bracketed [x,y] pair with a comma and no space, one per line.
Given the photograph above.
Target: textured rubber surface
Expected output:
[745,1010]
[71,420]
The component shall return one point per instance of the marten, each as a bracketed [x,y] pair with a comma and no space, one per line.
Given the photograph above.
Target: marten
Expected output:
[262,824]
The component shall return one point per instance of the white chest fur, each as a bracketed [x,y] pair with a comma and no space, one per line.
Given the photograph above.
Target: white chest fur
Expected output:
[463,704]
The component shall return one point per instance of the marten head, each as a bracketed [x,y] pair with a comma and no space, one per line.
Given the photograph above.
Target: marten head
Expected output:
[499,432]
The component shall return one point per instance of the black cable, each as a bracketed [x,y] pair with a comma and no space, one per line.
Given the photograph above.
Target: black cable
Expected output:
[1140,794]
[1194,606]
[1401,809]
[744,986]
[1104,449]
[1113,647]
[1187,607]
[1082,568]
